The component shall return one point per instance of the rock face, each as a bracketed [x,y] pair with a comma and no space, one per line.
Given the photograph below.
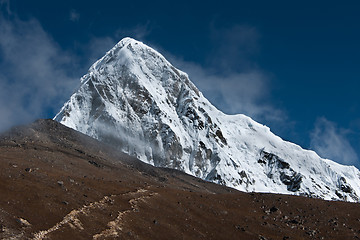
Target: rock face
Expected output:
[134,99]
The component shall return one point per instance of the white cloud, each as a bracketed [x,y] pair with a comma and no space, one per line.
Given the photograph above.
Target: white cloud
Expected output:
[331,142]
[33,78]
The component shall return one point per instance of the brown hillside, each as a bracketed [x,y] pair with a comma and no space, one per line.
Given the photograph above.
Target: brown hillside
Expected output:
[56,183]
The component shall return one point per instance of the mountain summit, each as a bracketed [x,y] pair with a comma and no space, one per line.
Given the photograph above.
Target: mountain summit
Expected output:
[134,99]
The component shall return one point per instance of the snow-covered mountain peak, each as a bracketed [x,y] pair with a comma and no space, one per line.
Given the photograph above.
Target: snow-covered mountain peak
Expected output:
[130,51]
[135,99]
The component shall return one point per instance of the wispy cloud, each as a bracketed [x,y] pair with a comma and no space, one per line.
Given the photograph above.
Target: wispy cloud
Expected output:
[231,78]
[5,4]
[35,72]
[42,73]
[234,92]
[74,15]
[139,31]
[235,48]
[98,46]
[37,75]
[331,142]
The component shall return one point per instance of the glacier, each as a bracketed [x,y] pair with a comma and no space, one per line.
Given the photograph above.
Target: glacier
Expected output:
[137,101]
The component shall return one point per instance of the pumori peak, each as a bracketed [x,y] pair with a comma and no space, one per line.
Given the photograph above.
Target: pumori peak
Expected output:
[134,99]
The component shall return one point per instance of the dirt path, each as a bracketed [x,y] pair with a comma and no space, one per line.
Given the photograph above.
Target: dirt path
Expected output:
[76,217]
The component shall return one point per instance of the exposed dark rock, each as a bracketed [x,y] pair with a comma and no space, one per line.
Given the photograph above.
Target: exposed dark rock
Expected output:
[94,163]
[283,164]
[243,174]
[339,194]
[292,182]
[273,209]
[221,137]
[80,151]
[261,161]
[279,167]
[294,221]
[344,186]
[272,159]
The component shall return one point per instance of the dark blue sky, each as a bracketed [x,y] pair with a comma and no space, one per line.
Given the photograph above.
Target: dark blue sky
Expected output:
[292,65]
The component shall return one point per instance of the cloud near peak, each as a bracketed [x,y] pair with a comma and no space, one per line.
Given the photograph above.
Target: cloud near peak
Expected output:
[34,78]
[331,142]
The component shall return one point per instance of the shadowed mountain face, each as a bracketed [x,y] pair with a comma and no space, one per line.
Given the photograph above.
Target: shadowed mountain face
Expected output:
[56,183]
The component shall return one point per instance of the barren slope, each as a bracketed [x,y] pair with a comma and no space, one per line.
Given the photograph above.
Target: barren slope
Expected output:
[56,183]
